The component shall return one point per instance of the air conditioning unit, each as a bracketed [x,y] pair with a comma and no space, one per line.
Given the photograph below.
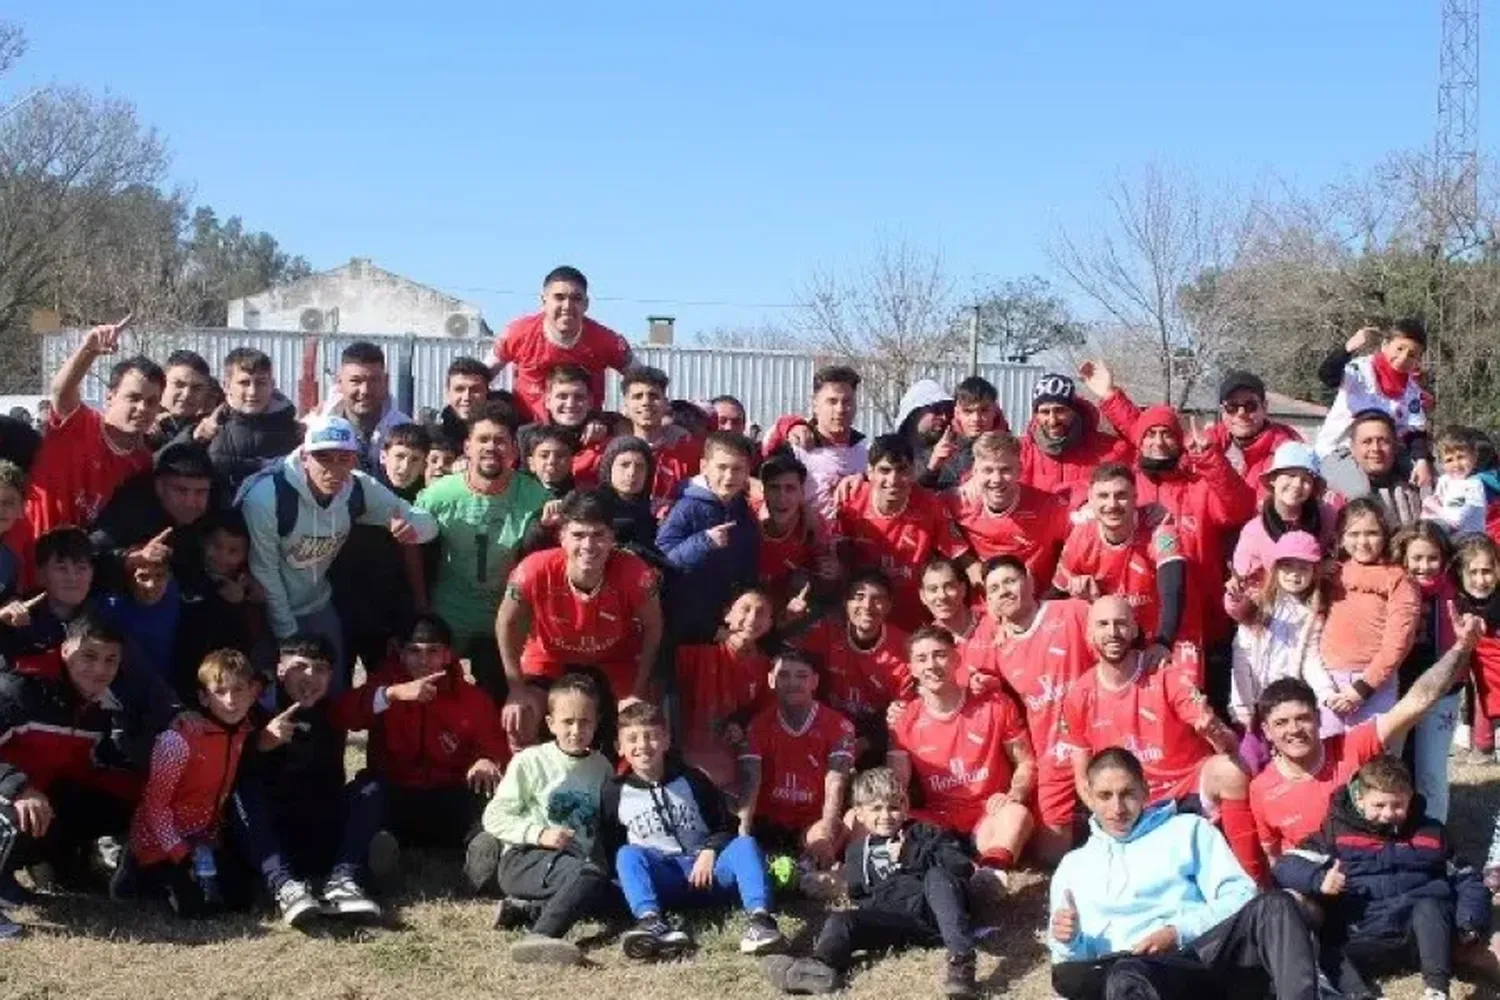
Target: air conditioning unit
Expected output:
[311,320]
[458,325]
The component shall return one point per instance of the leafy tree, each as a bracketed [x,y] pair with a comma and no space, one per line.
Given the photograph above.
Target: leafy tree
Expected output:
[1021,318]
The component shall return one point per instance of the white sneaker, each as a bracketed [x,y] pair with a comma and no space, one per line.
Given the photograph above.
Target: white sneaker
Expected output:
[1433,993]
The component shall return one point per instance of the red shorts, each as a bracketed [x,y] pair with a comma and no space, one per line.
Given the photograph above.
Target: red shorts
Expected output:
[1056,798]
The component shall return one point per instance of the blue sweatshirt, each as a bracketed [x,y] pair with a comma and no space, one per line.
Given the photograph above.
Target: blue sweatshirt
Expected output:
[1170,870]
[706,576]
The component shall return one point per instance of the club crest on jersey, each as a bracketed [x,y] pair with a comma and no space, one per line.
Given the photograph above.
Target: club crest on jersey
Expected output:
[448,742]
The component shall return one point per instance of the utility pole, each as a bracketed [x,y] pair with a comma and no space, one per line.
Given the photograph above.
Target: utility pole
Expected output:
[1455,223]
[974,340]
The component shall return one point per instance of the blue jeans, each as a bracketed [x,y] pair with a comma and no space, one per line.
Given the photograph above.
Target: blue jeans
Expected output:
[651,878]
[1432,741]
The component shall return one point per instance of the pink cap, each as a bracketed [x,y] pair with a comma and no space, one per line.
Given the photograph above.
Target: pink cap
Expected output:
[1297,545]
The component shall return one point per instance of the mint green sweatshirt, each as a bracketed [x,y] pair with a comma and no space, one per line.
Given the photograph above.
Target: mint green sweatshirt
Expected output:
[545,787]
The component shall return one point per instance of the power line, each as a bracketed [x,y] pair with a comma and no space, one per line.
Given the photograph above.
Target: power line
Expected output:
[638,301]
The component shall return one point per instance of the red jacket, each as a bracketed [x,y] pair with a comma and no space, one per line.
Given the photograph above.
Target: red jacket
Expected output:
[1209,503]
[193,765]
[1251,461]
[1068,473]
[49,734]
[431,745]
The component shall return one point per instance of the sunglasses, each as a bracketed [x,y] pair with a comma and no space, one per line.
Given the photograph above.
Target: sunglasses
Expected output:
[1243,406]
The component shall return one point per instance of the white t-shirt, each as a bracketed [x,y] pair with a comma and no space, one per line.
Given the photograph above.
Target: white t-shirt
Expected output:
[1459,503]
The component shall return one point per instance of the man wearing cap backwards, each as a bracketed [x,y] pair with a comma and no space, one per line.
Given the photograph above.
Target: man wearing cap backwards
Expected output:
[292,565]
[1063,443]
[1245,433]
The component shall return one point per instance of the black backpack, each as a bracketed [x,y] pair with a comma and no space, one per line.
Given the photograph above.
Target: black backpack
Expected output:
[287,500]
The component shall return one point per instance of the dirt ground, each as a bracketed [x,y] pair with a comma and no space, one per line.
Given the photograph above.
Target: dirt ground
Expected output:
[438,946]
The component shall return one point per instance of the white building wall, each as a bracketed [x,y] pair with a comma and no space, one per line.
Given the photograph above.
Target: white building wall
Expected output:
[358,299]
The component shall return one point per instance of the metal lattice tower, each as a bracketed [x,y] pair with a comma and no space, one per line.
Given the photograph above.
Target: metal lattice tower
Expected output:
[1457,149]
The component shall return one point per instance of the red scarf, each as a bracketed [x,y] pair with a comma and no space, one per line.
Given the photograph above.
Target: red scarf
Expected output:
[1390,382]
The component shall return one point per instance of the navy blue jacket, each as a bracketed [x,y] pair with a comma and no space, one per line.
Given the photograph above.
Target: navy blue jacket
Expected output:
[1386,871]
[706,577]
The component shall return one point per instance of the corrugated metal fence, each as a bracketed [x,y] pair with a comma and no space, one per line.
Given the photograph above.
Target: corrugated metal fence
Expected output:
[769,383]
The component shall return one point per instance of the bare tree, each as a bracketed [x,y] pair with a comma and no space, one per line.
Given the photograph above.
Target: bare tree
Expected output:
[1145,271]
[890,317]
[64,157]
[765,337]
[12,44]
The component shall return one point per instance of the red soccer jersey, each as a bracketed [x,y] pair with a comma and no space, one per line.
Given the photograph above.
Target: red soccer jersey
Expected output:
[568,626]
[899,544]
[1038,666]
[1128,569]
[1289,810]
[1156,716]
[795,762]
[958,760]
[75,472]
[715,684]
[1033,529]
[526,345]
[784,558]
[858,682]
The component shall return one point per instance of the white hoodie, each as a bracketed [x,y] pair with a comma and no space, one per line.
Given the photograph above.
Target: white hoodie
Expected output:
[294,570]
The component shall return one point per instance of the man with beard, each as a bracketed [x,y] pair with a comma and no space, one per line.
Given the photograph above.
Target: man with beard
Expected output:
[1245,434]
[363,397]
[924,418]
[1289,799]
[1376,468]
[1002,516]
[482,514]
[1161,716]
[1190,479]
[85,453]
[1129,550]
[1063,443]
[1036,650]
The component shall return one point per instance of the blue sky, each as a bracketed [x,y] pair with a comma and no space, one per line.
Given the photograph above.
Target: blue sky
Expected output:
[715,153]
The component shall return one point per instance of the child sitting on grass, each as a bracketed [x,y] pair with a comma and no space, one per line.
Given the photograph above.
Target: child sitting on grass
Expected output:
[540,829]
[297,822]
[1393,895]
[174,837]
[907,881]
[675,843]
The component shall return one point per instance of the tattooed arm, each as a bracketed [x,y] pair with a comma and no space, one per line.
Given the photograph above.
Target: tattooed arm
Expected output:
[1434,682]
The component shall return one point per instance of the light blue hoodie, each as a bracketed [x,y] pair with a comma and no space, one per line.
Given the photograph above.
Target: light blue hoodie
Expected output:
[1170,869]
[294,570]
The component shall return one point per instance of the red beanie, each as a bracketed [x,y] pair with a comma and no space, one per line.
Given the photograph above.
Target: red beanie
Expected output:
[1160,415]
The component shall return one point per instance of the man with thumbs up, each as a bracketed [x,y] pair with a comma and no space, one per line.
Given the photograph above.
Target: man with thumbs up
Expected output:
[1154,906]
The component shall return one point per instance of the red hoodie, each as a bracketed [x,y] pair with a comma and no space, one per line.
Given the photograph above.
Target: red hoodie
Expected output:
[424,745]
[1068,473]
[1209,503]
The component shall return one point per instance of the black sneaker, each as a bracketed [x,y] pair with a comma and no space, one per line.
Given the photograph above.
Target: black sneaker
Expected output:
[514,914]
[958,978]
[654,938]
[13,894]
[344,898]
[481,862]
[762,935]
[296,904]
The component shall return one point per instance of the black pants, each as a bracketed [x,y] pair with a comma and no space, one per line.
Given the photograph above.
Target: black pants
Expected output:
[569,886]
[943,915]
[80,815]
[1427,945]
[483,655]
[1268,939]
[282,840]
[447,816]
